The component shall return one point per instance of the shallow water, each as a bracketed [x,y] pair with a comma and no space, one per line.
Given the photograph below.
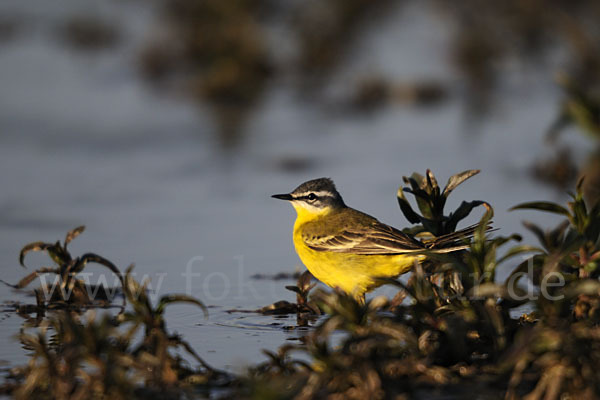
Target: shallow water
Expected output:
[85,141]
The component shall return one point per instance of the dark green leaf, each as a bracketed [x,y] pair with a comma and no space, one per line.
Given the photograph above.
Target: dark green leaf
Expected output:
[592,231]
[537,231]
[520,249]
[406,208]
[580,185]
[191,351]
[279,307]
[179,298]
[580,213]
[304,281]
[416,181]
[432,182]
[58,254]
[542,206]
[460,213]
[418,193]
[35,246]
[432,226]
[484,222]
[557,236]
[457,179]
[500,240]
[136,293]
[94,258]
[425,208]
[31,277]
[295,289]
[72,234]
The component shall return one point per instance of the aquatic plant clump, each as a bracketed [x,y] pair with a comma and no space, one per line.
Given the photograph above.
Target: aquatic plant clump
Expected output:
[461,332]
[67,290]
[130,356]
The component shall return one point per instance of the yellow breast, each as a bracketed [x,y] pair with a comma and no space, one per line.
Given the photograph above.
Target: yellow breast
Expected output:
[355,274]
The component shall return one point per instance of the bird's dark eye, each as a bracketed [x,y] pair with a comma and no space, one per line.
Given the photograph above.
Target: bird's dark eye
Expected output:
[311,197]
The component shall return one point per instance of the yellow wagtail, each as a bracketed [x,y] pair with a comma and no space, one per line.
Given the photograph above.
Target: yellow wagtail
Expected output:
[347,249]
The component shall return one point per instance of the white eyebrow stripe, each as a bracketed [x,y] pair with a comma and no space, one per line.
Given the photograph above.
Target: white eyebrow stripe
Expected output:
[322,193]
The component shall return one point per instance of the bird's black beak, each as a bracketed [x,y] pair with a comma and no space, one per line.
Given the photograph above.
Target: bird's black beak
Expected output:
[283,196]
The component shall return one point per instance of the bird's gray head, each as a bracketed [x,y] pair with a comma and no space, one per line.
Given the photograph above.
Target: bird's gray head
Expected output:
[315,196]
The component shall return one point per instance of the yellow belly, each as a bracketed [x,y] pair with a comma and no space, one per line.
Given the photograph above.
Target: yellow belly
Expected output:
[353,273]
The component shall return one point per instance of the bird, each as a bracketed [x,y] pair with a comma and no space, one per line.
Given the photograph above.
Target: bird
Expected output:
[349,250]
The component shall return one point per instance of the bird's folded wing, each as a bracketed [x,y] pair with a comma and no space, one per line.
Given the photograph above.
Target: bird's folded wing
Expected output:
[377,239]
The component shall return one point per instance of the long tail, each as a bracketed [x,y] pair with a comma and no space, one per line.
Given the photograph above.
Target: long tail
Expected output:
[454,241]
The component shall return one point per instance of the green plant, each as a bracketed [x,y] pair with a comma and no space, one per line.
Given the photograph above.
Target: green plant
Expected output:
[72,291]
[155,346]
[559,354]
[304,308]
[81,356]
[431,201]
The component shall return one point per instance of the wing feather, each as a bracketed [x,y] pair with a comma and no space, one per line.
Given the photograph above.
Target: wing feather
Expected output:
[378,238]
[354,232]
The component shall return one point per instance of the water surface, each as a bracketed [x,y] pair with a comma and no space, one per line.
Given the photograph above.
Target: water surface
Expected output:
[84,140]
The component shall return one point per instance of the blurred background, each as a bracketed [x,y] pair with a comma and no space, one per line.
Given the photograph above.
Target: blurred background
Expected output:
[165,125]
